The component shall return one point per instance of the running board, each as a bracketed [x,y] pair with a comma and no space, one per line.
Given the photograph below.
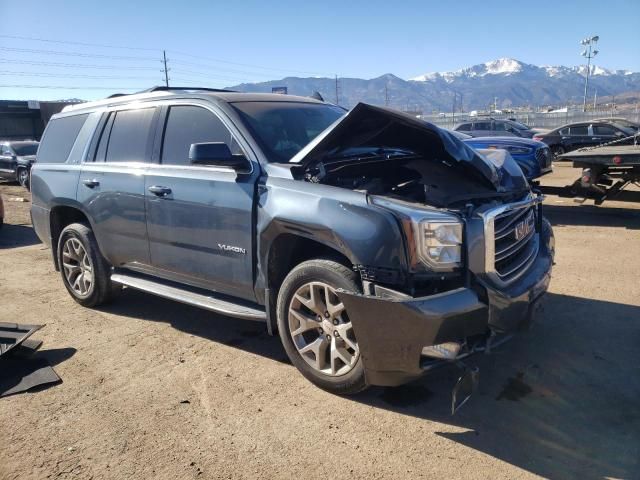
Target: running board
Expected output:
[207,301]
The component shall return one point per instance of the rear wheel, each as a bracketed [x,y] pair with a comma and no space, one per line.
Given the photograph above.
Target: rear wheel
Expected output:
[315,328]
[85,272]
[557,150]
[23,177]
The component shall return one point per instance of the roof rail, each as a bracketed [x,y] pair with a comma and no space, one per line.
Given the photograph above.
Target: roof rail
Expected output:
[169,89]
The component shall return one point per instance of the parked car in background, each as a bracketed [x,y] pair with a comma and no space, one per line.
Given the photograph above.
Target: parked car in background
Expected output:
[16,158]
[623,122]
[583,134]
[376,245]
[490,127]
[533,157]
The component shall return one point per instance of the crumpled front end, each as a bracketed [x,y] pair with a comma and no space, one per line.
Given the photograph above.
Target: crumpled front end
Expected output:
[500,296]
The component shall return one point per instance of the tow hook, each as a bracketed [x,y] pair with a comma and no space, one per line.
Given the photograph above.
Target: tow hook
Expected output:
[466,386]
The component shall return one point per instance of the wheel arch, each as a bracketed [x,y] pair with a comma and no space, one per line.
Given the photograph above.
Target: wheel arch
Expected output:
[60,217]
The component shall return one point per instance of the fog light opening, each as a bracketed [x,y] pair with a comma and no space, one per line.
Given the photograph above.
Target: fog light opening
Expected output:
[444,351]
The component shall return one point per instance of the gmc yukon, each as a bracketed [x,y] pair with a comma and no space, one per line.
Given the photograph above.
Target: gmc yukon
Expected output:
[377,246]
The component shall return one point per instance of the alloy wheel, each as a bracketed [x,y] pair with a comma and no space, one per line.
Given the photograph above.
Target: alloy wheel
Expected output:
[321,330]
[78,268]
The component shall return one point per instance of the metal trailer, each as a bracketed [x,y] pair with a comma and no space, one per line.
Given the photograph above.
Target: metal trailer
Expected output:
[606,170]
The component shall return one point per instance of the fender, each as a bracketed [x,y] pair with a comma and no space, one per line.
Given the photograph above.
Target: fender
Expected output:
[338,218]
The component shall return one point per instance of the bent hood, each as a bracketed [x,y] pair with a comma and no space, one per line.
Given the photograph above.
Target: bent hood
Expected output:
[368,126]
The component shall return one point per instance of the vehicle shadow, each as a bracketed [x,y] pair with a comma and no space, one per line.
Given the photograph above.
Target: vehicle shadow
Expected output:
[559,401]
[247,335]
[590,215]
[13,236]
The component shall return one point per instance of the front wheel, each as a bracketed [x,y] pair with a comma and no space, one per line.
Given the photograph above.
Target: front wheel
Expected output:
[315,328]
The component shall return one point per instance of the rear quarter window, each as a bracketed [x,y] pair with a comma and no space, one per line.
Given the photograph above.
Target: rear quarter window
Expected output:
[59,138]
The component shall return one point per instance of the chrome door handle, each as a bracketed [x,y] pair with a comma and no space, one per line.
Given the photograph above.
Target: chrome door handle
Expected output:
[91,183]
[160,191]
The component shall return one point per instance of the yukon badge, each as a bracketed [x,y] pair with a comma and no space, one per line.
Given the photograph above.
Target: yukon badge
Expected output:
[231,248]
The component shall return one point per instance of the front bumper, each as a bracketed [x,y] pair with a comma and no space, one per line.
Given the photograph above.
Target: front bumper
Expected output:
[392,332]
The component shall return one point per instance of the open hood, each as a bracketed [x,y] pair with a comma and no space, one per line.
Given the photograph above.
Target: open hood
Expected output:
[370,127]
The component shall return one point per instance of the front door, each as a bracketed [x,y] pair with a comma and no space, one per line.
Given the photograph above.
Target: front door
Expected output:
[199,218]
[111,186]
[7,163]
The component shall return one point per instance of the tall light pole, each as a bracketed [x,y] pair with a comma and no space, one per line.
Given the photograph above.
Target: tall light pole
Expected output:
[589,51]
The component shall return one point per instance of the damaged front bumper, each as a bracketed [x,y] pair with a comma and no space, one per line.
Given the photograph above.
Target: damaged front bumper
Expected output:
[393,329]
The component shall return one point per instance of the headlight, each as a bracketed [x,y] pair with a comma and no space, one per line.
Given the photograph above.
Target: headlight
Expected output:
[519,150]
[439,243]
[434,236]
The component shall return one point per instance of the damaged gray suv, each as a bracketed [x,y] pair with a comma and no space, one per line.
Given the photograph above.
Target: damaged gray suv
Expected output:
[377,246]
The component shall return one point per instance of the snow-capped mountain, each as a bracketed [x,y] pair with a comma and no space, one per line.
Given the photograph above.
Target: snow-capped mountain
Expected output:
[513,82]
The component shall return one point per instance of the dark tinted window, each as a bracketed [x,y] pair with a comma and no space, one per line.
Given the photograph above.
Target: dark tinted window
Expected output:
[129,135]
[283,128]
[564,131]
[482,126]
[59,138]
[604,130]
[186,125]
[23,149]
[579,130]
[500,126]
[465,127]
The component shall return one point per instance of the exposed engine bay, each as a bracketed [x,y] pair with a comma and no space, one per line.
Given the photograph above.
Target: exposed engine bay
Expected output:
[407,177]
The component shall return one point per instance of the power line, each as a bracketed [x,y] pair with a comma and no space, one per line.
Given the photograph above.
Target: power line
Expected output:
[75,65]
[246,64]
[72,87]
[72,75]
[76,54]
[36,39]
[182,62]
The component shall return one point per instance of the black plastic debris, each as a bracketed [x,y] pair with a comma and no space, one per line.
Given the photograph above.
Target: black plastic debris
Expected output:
[21,369]
[13,334]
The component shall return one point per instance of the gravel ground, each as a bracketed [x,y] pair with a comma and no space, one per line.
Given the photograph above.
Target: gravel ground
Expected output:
[157,389]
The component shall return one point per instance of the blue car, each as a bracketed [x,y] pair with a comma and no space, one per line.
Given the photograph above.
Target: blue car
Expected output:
[534,157]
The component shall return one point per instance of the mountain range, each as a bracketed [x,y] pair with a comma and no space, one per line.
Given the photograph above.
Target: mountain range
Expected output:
[508,82]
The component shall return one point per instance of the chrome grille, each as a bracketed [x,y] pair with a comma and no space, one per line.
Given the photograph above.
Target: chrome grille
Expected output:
[543,156]
[511,240]
[515,242]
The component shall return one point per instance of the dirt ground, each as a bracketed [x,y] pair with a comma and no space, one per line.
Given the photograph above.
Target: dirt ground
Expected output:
[155,389]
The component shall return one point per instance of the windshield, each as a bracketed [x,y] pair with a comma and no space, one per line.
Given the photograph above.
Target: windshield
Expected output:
[25,149]
[283,128]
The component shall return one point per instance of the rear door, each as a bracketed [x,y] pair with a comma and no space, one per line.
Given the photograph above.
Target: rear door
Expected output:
[111,186]
[603,133]
[578,136]
[200,218]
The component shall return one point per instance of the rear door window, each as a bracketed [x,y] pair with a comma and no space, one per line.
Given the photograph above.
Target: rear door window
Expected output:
[465,127]
[187,124]
[59,138]
[579,130]
[499,127]
[482,126]
[128,138]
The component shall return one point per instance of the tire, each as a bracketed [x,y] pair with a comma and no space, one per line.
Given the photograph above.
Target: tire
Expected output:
[557,150]
[23,177]
[335,363]
[80,261]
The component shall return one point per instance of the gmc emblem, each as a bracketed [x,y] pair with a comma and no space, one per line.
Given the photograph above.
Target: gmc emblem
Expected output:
[524,228]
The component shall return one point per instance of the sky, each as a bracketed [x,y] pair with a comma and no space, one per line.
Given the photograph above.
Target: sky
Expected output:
[99,48]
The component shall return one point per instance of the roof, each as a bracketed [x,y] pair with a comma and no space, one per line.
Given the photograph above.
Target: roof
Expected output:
[225,96]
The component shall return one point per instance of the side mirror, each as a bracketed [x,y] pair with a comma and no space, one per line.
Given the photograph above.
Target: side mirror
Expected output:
[217,154]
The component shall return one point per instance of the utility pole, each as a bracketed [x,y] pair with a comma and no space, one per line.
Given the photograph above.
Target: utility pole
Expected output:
[165,70]
[337,97]
[589,52]
[595,98]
